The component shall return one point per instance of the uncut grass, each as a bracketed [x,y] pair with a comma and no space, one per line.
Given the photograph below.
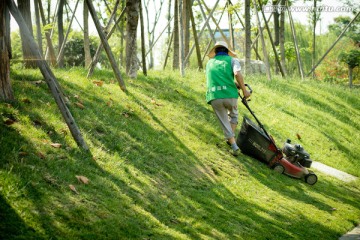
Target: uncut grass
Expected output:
[159,169]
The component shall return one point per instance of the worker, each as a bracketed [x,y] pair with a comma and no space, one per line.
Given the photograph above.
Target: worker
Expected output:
[222,90]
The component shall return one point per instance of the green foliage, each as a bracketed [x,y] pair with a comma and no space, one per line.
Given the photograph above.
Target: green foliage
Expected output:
[159,168]
[353,31]
[351,58]
[74,54]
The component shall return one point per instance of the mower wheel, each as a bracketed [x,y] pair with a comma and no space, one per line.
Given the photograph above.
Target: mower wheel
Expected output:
[311,178]
[279,168]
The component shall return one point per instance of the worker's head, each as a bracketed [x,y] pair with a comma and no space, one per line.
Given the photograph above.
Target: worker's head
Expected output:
[221,46]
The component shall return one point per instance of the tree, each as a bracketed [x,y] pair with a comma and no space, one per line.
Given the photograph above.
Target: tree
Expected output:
[353,31]
[132,10]
[352,59]
[6,92]
[86,36]
[60,25]
[247,37]
[176,36]
[24,8]
[151,29]
[282,37]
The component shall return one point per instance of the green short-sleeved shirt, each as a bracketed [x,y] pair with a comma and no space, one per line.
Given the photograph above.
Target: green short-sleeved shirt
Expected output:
[220,78]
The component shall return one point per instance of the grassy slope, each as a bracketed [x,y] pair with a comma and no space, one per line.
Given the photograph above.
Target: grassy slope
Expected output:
[159,169]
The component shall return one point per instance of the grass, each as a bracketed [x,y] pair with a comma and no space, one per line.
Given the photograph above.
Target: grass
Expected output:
[158,166]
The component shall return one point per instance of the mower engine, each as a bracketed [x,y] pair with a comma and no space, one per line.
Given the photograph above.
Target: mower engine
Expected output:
[295,153]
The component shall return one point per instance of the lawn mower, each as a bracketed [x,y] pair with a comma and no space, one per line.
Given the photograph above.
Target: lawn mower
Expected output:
[291,160]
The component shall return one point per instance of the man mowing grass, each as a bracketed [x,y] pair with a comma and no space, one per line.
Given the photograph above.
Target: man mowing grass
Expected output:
[222,93]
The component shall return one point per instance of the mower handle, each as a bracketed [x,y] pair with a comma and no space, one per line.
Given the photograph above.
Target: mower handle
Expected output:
[248,86]
[250,89]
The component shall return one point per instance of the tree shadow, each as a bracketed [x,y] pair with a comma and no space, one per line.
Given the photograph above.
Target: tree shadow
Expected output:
[151,190]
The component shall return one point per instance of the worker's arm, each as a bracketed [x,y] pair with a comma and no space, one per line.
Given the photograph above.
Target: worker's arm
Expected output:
[240,80]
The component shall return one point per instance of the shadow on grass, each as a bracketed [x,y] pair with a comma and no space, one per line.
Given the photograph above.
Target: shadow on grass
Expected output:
[161,190]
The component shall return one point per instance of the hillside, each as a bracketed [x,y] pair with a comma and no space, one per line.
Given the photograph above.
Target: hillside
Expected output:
[159,168]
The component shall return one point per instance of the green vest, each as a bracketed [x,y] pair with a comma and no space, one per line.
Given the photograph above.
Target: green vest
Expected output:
[220,79]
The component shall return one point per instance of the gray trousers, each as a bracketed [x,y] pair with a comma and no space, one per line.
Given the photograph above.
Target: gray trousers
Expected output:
[226,110]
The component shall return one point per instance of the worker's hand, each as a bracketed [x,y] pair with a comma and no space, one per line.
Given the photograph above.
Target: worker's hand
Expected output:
[246,93]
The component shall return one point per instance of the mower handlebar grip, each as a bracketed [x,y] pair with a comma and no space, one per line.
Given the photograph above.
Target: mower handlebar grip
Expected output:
[248,86]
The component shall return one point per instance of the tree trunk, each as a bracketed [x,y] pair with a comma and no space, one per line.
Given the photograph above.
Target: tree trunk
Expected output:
[169,19]
[38,27]
[187,6]
[106,45]
[122,36]
[293,31]
[50,47]
[350,77]
[181,40]
[24,8]
[86,36]
[132,9]
[276,29]
[276,55]
[48,76]
[196,40]
[6,92]
[96,56]
[143,50]
[176,36]
[60,56]
[314,20]
[231,28]
[60,25]
[333,45]
[247,37]
[282,37]
[263,46]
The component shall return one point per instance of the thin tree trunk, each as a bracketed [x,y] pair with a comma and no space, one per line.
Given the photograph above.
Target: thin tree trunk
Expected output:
[248,38]
[132,9]
[50,47]
[271,41]
[48,76]
[86,36]
[122,36]
[333,45]
[142,41]
[62,48]
[168,18]
[176,35]
[109,32]
[206,24]
[282,37]
[106,45]
[60,25]
[231,28]
[206,19]
[181,40]
[24,8]
[187,6]
[298,57]
[96,57]
[6,92]
[313,56]
[196,40]
[216,24]
[276,28]
[38,27]
[266,58]
[350,77]
[168,50]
